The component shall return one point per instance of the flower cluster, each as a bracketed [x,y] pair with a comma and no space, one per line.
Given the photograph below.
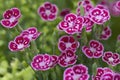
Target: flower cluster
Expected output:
[11,17]
[22,41]
[105,74]
[76,72]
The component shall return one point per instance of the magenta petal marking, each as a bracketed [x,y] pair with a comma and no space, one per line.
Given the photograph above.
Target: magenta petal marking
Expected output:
[8,14]
[70,17]
[16,12]
[6,23]
[12,46]
[47,5]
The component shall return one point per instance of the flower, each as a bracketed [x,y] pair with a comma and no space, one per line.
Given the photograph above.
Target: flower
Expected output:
[99,15]
[64,12]
[95,49]
[48,11]
[31,33]
[76,72]
[43,61]
[67,42]
[103,74]
[111,58]
[88,24]
[20,43]
[67,58]
[72,24]
[10,18]
[106,33]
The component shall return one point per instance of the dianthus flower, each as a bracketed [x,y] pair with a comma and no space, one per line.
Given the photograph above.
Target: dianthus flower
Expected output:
[10,18]
[48,11]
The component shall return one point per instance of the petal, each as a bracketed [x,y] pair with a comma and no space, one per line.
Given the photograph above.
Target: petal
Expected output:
[70,53]
[70,17]
[12,46]
[116,76]
[70,31]
[64,25]
[75,45]
[16,12]
[61,46]
[100,72]
[64,39]
[41,10]
[96,11]
[5,22]
[100,48]
[38,58]
[7,14]
[116,56]
[68,71]
[79,20]
[54,9]
[19,40]
[26,41]
[52,17]
[47,5]
[71,39]
[108,54]
[32,30]
[107,76]
[88,53]
[68,78]
[44,16]
[94,43]
[97,54]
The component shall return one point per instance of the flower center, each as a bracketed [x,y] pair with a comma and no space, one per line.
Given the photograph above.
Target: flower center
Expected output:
[12,19]
[93,49]
[76,77]
[30,36]
[47,12]
[68,45]
[42,64]
[71,24]
[67,59]
[20,46]
[99,17]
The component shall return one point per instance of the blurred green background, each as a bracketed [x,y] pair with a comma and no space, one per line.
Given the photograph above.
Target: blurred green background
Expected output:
[13,65]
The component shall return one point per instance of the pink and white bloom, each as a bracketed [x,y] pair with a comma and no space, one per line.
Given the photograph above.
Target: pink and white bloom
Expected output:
[44,61]
[76,72]
[10,18]
[106,33]
[103,74]
[67,42]
[88,24]
[99,15]
[95,49]
[48,11]
[20,43]
[67,58]
[31,33]
[72,24]
[111,58]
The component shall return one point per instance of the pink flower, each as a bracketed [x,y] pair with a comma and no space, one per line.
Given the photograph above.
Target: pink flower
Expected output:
[95,49]
[10,18]
[44,62]
[72,24]
[115,8]
[64,12]
[20,43]
[111,58]
[116,76]
[31,33]
[67,42]
[103,74]
[48,11]
[88,24]
[76,72]
[67,58]
[106,33]
[99,15]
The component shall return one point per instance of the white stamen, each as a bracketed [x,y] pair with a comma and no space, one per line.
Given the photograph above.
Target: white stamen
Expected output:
[20,46]
[68,45]
[93,49]
[42,64]
[48,12]
[12,19]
